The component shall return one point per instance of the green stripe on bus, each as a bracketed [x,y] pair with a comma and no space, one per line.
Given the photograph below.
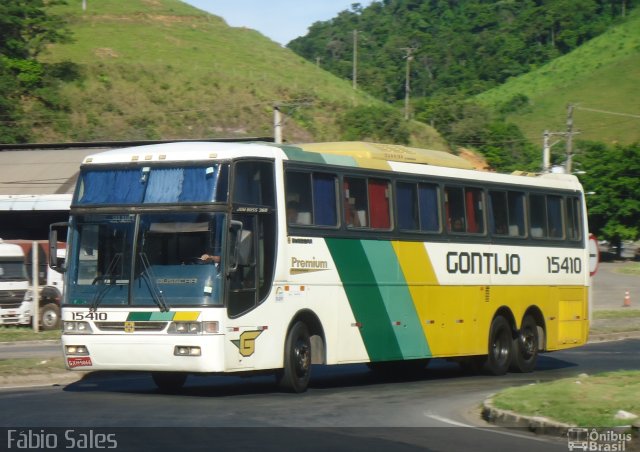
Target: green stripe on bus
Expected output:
[161,316]
[397,298]
[365,299]
[341,160]
[294,153]
[139,316]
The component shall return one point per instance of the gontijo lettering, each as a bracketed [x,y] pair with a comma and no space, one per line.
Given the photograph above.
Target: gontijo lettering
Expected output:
[483,263]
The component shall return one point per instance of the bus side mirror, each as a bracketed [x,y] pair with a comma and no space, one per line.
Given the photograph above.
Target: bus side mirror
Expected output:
[56,257]
[235,234]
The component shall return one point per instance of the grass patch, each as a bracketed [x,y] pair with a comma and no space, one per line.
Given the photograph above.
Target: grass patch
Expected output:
[602,315]
[629,269]
[586,401]
[599,75]
[30,366]
[23,333]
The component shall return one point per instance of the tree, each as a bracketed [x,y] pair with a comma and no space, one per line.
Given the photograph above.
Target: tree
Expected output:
[612,173]
[376,124]
[25,30]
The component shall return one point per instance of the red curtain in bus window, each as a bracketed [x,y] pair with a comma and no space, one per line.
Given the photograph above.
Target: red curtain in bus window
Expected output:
[348,210]
[470,199]
[379,204]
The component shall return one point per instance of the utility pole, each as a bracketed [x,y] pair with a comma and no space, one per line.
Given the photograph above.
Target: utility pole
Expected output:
[407,81]
[277,125]
[546,153]
[354,76]
[568,162]
[546,149]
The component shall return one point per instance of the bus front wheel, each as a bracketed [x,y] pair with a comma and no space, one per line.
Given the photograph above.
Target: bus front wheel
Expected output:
[294,376]
[525,346]
[500,346]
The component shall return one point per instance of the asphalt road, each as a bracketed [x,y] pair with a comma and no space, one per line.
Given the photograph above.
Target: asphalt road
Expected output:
[609,287]
[346,408]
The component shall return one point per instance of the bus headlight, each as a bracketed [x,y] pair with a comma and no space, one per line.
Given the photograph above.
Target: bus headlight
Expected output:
[80,350]
[187,350]
[74,327]
[193,328]
[185,328]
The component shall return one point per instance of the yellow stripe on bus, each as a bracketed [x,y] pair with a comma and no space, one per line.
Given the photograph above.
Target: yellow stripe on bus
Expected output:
[188,316]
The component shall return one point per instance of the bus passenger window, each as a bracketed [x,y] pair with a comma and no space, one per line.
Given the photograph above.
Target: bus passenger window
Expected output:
[573,218]
[538,216]
[325,211]
[407,202]
[379,192]
[311,198]
[516,214]
[355,202]
[554,215]
[454,207]
[506,213]
[498,213]
[298,197]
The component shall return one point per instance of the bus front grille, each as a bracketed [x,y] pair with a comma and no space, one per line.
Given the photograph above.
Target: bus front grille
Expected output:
[130,327]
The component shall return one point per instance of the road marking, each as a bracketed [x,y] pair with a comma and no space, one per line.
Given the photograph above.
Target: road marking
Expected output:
[496,429]
[446,420]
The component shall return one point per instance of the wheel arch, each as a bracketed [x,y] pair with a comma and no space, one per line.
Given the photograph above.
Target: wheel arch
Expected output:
[535,312]
[316,333]
[505,312]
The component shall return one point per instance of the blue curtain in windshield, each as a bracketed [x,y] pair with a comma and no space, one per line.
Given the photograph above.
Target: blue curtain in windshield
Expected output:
[197,185]
[324,200]
[165,185]
[111,187]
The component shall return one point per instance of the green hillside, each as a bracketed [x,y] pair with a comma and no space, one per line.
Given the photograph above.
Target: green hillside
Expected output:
[160,69]
[601,75]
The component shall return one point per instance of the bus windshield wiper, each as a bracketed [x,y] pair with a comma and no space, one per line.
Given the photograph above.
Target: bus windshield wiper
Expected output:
[149,277]
[108,276]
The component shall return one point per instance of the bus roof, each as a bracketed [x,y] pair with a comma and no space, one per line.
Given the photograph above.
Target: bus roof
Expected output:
[359,154]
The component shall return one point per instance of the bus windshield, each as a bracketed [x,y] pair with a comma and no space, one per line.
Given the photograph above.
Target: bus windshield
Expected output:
[147,259]
[152,185]
[12,269]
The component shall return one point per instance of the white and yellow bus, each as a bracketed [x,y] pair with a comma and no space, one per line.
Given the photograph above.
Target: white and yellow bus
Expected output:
[188,258]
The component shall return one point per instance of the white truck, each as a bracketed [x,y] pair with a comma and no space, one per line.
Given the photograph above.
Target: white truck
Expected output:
[16,299]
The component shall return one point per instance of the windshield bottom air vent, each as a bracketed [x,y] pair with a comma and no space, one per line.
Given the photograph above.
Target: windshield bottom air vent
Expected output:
[130,327]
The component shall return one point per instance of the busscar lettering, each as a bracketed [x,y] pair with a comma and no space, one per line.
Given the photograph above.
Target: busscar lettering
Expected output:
[483,263]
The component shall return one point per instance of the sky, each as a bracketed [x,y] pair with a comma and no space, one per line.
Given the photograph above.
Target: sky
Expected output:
[280,20]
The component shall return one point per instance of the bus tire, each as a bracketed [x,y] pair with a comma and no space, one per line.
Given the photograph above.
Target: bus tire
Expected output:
[525,346]
[294,376]
[50,317]
[169,382]
[500,346]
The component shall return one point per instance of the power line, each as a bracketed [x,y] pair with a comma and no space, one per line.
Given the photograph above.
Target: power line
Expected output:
[628,115]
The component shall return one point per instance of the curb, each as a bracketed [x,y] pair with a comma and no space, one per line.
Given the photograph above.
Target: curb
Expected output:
[41,380]
[510,419]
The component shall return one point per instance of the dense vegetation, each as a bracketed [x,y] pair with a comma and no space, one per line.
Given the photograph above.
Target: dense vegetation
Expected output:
[25,29]
[611,177]
[467,46]
[162,70]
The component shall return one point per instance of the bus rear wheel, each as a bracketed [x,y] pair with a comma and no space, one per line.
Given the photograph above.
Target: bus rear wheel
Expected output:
[295,375]
[525,346]
[169,382]
[500,346]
